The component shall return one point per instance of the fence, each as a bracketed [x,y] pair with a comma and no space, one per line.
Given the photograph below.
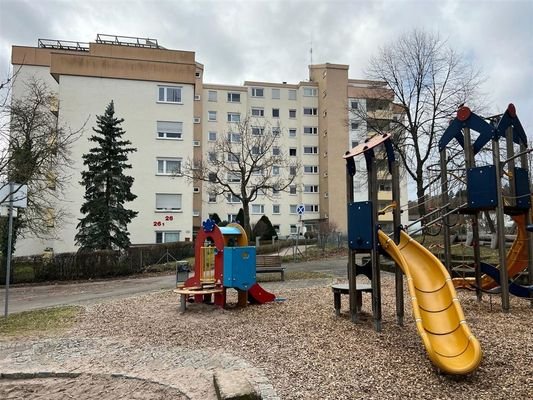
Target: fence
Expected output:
[96,264]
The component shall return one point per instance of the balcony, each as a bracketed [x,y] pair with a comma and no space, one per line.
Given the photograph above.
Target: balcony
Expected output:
[54,105]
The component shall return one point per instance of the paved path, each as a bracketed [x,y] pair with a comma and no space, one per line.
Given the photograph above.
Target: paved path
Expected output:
[25,298]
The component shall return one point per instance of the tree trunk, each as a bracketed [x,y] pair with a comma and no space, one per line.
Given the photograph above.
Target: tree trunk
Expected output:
[246,223]
[490,222]
[421,195]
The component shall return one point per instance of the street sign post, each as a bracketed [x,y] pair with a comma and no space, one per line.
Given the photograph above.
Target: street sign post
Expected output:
[16,196]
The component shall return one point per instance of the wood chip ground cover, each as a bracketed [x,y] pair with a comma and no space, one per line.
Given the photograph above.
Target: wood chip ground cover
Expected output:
[308,353]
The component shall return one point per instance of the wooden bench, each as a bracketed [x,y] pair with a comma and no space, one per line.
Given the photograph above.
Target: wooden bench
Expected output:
[343,288]
[269,264]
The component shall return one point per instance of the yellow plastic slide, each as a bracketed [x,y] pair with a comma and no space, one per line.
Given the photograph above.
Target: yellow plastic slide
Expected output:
[517,259]
[439,317]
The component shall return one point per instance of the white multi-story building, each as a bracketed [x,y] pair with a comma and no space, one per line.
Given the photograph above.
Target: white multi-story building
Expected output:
[171,116]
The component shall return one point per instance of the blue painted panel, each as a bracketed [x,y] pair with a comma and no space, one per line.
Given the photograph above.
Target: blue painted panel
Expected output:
[481,187]
[229,230]
[523,194]
[360,227]
[239,267]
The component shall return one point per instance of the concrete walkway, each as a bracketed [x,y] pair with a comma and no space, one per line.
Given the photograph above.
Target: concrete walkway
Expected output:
[26,298]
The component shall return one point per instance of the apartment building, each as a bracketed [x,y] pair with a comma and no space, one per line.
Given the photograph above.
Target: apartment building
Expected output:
[172,116]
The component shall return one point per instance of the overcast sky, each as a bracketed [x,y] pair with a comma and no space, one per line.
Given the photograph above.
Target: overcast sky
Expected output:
[271,40]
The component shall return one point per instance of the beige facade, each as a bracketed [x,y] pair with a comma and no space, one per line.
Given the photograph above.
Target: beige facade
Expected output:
[314,117]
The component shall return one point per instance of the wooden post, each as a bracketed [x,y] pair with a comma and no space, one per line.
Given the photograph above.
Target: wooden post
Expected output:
[446,220]
[376,279]
[398,274]
[501,225]
[354,315]
[470,163]
[529,220]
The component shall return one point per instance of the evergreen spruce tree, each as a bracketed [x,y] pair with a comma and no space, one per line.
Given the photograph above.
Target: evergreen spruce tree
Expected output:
[107,188]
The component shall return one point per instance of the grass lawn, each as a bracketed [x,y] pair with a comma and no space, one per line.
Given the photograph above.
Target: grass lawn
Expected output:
[291,275]
[39,321]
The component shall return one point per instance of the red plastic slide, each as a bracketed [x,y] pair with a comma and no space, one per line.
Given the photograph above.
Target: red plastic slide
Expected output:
[258,295]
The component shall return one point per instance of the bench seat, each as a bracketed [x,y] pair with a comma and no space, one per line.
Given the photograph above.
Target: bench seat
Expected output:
[269,264]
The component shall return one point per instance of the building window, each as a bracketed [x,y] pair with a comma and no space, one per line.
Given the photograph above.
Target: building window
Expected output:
[276,228]
[167,236]
[311,130]
[385,186]
[257,130]
[293,208]
[311,208]
[276,131]
[292,189]
[310,169]
[355,143]
[310,111]
[232,218]
[292,171]
[212,177]
[168,166]
[234,97]
[258,112]
[275,94]
[258,92]
[232,198]
[234,137]
[255,150]
[292,113]
[212,156]
[212,136]
[294,229]
[310,150]
[212,95]
[49,217]
[211,115]
[292,94]
[169,94]
[275,113]
[168,202]
[258,208]
[169,130]
[275,170]
[232,157]
[354,105]
[276,151]
[292,151]
[310,92]
[292,132]
[310,188]
[276,209]
[212,198]
[234,177]
[354,125]
[234,117]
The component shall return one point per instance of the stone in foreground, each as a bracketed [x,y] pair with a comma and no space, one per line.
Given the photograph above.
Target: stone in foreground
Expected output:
[233,386]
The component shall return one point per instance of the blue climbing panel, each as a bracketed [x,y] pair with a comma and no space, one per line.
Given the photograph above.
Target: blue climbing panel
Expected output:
[523,194]
[239,267]
[481,187]
[360,229]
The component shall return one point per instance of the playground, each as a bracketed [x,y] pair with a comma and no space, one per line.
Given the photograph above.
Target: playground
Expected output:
[464,332]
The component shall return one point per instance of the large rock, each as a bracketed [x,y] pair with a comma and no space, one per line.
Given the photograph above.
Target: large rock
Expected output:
[232,385]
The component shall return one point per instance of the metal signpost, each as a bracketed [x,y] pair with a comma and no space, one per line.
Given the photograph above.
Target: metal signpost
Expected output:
[17,197]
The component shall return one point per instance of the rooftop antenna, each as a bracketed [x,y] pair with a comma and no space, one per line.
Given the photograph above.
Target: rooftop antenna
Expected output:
[310,55]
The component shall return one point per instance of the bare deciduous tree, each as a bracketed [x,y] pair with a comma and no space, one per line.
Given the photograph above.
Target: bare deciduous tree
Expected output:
[244,163]
[35,151]
[429,81]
